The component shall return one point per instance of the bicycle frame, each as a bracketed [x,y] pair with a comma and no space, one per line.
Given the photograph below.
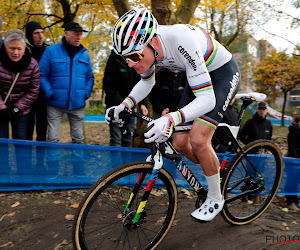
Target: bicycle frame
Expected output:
[158,151]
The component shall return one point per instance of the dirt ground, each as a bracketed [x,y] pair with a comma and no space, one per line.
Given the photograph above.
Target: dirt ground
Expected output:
[43,219]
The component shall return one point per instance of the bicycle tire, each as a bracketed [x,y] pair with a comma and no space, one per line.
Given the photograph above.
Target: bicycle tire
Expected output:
[106,200]
[239,178]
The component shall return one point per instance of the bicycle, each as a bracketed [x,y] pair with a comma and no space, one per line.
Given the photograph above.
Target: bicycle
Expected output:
[133,206]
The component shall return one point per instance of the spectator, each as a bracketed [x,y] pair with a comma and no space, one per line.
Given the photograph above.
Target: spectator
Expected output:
[15,105]
[292,201]
[118,81]
[167,91]
[67,80]
[35,41]
[258,127]
[221,138]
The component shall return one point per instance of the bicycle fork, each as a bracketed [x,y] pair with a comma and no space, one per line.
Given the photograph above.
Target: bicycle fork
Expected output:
[158,163]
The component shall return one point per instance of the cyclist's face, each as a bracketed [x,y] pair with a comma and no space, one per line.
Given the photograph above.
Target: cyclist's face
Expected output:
[142,66]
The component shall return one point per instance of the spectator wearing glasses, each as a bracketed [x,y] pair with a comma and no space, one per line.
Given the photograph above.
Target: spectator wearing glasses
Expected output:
[258,127]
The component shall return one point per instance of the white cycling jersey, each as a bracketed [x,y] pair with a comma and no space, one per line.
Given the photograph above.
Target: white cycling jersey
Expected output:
[190,49]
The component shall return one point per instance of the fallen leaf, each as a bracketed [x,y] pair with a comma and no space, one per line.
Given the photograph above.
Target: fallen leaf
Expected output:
[285,209]
[76,205]
[10,243]
[16,204]
[119,216]
[69,217]
[186,192]
[2,217]
[190,197]
[174,223]
[284,224]
[3,195]
[160,221]
[62,245]
[164,204]
[157,192]
[285,229]
[58,202]
[11,214]
[294,222]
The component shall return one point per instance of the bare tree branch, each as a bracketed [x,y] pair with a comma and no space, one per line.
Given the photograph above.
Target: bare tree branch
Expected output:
[258,25]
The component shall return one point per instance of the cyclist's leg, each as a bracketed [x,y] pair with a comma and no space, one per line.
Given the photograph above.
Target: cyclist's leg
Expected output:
[181,142]
[225,83]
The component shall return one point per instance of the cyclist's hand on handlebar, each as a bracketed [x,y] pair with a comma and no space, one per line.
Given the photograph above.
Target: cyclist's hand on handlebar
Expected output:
[159,130]
[113,114]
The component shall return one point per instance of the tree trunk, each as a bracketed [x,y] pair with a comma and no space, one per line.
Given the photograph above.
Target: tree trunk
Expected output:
[162,10]
[122,6]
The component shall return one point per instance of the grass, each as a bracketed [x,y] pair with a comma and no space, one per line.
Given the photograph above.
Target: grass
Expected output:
[280,132]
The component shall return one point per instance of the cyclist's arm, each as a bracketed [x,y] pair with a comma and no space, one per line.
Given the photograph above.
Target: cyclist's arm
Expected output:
[200,82]
[141,89]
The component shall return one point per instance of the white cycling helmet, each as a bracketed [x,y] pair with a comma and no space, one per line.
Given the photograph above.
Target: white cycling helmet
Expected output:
[133,31]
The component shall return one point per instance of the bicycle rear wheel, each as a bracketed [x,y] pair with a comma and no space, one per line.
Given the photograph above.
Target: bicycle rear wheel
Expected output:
[248,193]
[100,221]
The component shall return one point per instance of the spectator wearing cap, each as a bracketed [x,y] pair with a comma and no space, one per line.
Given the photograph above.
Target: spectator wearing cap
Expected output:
[67,81]
[38,116]
[258,127]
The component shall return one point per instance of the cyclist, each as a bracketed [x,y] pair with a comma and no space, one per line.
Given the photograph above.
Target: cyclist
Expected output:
[212,74]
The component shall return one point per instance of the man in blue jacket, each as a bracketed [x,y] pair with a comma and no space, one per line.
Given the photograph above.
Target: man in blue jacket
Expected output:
[67,80]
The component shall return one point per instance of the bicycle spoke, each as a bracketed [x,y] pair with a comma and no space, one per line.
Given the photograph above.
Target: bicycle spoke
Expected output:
[106,224]
[251,182]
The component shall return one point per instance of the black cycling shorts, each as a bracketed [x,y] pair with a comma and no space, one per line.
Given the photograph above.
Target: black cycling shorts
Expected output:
[225,82]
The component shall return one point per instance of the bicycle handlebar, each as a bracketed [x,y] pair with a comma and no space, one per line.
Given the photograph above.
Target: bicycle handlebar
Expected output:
[162,146]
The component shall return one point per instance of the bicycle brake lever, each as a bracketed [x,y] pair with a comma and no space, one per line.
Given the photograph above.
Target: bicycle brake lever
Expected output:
[175,157]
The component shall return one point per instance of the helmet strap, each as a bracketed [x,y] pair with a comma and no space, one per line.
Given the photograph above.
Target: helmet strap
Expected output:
[154,52]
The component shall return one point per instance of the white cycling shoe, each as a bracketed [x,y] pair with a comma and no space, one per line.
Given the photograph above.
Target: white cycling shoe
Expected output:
[208,210]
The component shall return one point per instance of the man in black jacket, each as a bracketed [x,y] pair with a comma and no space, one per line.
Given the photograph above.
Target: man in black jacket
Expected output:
[35,41]
[118,81]
[258,127]
[167,91]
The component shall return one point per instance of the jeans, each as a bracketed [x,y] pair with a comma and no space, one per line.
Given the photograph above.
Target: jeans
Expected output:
[76,119]
[116,138]
[19,128]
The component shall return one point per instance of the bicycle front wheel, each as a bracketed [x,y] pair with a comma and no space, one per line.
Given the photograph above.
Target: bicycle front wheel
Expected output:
[103,220]
[251,182]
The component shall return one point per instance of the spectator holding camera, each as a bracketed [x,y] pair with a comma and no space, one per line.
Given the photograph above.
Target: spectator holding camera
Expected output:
[19,84]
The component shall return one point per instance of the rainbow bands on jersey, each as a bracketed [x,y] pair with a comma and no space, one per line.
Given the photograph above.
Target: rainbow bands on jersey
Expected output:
[131,100]
[212,48]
